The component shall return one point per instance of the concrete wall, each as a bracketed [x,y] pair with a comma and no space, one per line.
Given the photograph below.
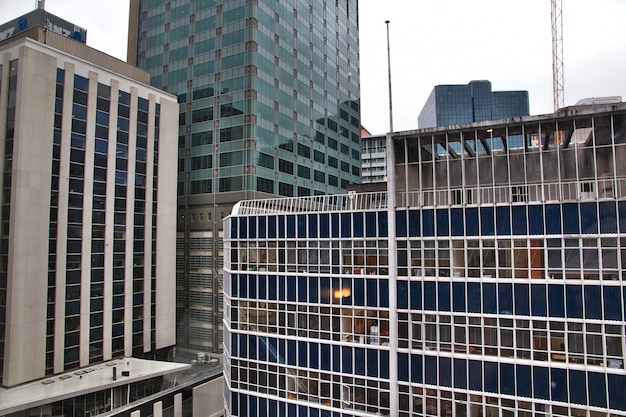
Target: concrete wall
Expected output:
[208,399]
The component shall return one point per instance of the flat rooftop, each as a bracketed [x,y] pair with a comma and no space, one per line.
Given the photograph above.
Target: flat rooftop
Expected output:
[82,381]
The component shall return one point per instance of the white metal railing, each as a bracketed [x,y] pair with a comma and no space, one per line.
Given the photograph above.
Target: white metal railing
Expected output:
[599,189]
[340,202]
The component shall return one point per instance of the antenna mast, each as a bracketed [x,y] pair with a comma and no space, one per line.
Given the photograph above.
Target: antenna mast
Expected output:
[557,54]
[41,4]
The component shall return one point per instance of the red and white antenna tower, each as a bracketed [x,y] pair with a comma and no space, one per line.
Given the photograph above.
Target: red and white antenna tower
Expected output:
[557,54]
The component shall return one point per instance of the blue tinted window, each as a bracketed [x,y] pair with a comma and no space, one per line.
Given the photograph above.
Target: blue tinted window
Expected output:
[558,384]
[401,223]
[458,297]
[541,383]
[334,225]
[252,227]
[336,358]
[403,367]
[313,293]
[430,370]
[233,228]
[403,294]
[243,286]
[346,226]
[359,292]
[291,352]
[281,226]
[430,295]
[324,232]
[471,222]
[357,224]
[553,219]
[608,217]
[416,295]
[491,377]
[574,301]
[445,372]
[617,391]
[519,220]
[346,360]
[234,280]
[372,296]
[372,362]
[475,375]
[302,353]
[588,218]
[522,303]
[538,299]
[414,223]
[383,227]
[556,302]
[383,293]
[416,368]
[325,290]
[262,348]
[460,373]
[325,356]
[578,387]
[252,346]
[243,228]
[271,285]
[291,226]
[473,297]
[428,222]
[487,221]
[312,225]
[384,364]
[570,218]
[524,382]
[370,224]
[252,286]
[593,302]
[262,230]
[621,206]
[456,222]
[442,222]
[489,299]
[291,288]
[612,303]
[302,289]
[281,288]
[505,298]
[443,294]
[597,389]
[503,220]
[535,220]
[507,378]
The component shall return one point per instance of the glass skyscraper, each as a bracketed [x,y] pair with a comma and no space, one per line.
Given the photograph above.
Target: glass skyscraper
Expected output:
[473,102]
[269,105]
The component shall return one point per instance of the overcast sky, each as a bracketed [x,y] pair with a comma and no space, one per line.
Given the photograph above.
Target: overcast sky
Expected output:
[437,42]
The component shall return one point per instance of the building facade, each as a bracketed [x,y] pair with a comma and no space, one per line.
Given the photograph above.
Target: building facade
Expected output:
[474,102]
[268,96]
[87,182]
[373,159]
[488,281]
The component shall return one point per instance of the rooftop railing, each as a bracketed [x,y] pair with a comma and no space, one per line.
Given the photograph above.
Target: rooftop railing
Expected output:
[322,203]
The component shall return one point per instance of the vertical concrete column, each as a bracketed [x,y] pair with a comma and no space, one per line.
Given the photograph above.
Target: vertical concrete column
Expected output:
[178,405]
[157,409]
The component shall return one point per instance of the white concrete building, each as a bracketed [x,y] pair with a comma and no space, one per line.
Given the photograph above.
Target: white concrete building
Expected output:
[88,160]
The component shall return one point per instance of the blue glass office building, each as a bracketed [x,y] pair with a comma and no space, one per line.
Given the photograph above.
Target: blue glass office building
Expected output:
[489,281]
[269,105]
[473,102]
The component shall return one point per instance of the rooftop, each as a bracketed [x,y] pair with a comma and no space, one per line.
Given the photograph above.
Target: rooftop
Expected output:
[82,381]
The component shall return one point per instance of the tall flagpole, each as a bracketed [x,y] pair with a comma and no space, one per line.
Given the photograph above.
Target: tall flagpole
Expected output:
[389,76]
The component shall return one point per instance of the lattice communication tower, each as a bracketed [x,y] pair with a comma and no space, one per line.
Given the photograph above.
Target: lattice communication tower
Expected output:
[557,54]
